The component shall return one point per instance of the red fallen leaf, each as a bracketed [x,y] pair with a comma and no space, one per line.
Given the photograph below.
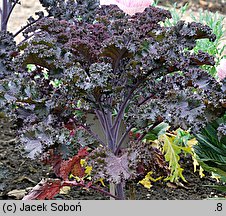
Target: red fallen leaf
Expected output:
[82,153]
[63,168]
[45,189]
[77,169]
[55,160]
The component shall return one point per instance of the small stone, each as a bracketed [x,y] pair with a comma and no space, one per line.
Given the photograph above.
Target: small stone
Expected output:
[148,195]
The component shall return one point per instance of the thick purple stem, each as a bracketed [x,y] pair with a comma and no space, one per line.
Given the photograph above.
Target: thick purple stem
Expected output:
[117,123]
[120,191]
[104,192]
[146,99]
[110,136]
[121,113]
[124,105]
[94,135]
[4,15]
[10,9]
[122,139]
[101,119]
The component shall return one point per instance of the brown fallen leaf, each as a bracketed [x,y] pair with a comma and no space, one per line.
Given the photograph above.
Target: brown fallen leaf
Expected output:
[181,185]
[171,185]
[177,185]
[17,194]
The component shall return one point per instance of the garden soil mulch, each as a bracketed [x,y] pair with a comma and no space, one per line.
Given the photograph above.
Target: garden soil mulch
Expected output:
[18,173]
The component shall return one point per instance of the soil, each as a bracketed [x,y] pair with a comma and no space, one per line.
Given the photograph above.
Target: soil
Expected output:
[211,5]
[18,173]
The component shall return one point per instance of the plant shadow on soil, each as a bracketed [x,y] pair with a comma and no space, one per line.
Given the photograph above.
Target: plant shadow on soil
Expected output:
[18,172]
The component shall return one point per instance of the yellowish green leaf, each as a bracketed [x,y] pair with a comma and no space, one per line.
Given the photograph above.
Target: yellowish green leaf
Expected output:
[76,177]
[171,152]
[201,174]
[88,170]
[195,164]
[216,177]
[192,142]
[146,181]
[101,180]
[83,162]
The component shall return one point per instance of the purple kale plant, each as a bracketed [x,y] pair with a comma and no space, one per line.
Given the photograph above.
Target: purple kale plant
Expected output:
[91,61]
